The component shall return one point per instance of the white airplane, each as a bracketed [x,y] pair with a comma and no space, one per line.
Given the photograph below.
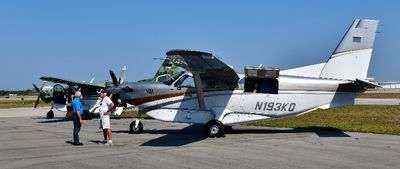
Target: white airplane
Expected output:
[211,93]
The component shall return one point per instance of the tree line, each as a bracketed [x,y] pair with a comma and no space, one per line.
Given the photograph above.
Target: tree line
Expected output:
[18,92]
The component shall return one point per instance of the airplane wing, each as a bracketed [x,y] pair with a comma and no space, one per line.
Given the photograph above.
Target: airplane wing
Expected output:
[72,83]
[213,72]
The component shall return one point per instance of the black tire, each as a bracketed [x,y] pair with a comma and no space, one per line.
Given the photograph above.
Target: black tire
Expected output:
[214,128]
[50,114]
[137,130]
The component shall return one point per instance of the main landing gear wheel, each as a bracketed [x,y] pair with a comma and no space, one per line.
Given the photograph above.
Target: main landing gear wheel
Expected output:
[214,128]
[136,127]
[50,114]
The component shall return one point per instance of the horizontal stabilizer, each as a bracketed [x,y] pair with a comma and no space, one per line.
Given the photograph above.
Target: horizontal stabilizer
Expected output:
[306,71]
[367,84]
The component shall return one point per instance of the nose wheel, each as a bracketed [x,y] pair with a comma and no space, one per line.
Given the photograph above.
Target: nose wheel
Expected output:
[50,114]
[214,128]
[136,127]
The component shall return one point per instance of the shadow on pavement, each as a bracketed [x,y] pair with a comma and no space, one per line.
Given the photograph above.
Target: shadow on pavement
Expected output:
[178,137]
[55,120]
[195,133]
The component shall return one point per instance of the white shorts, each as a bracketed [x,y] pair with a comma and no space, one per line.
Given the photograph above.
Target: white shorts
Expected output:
[105,122]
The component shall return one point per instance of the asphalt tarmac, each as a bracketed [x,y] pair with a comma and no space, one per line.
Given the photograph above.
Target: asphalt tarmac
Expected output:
[28,140]
[367,101]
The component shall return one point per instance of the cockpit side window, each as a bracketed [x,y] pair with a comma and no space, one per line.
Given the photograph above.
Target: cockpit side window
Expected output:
[163,78]
[173,78]
[185,81]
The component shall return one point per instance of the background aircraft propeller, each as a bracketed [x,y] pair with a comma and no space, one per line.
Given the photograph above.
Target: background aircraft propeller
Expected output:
[39,91]
[115,89]
[122,75]
[114,79]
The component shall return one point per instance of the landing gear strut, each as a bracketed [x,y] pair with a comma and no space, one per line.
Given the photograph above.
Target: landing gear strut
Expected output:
[214,128]
[136,127]
[50,114]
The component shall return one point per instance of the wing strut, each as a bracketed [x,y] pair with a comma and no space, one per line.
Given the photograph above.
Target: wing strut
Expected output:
[199,90]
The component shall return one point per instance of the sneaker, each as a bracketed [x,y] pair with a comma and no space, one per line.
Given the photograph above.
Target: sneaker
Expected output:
[108,143]
[77,144]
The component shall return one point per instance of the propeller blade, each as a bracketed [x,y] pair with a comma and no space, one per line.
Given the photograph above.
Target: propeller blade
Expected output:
[122,75]
[36,88]
[114,78]
[39,91]
[37,102]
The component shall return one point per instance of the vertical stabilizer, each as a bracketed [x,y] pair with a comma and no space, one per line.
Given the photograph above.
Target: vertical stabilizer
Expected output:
[351,58]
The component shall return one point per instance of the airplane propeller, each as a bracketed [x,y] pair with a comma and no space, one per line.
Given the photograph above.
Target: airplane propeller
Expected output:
[122,75]
[114,79]
[39,91]
[115,89]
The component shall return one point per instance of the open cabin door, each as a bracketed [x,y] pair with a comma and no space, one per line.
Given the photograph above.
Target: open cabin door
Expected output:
[261,80]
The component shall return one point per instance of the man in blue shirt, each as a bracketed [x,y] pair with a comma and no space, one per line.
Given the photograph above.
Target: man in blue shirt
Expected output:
[77,111]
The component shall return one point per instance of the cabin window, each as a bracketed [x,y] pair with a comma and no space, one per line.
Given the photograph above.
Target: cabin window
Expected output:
[254,85]
[188,82]
[357,39]
[185,81]
[173,78]
[163,78]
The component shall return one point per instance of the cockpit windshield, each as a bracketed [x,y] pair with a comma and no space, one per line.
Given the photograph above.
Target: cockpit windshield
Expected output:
[173,78]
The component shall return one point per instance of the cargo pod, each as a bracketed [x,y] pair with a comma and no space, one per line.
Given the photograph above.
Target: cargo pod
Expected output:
[261,80]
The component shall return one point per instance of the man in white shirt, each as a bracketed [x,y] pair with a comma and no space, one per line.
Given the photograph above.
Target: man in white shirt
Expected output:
[106,106]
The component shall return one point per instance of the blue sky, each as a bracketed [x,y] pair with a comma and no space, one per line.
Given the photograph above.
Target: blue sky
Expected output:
[79,40]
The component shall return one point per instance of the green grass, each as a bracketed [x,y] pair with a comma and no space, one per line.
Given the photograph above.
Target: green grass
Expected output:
[359,118]
[5,104]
